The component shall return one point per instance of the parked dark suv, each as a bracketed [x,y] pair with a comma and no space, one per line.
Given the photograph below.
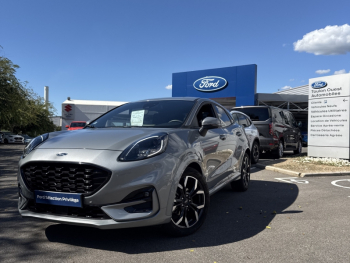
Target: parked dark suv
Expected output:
[278,130]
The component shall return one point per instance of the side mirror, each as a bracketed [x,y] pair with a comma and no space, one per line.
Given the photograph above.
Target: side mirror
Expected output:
[207,124]
[67,126]
[299,124]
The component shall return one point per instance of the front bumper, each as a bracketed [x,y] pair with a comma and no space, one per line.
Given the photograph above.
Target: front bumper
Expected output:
[126,178]
[97,223]
[15,141]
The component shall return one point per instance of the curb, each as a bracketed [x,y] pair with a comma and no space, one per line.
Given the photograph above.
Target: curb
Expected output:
[288,172]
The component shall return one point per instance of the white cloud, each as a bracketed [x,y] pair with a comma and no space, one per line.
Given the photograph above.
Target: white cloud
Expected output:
[286,87]
[284,45]
[342,71]
[291,80]
[331,40]
[302,80]
[322,71]
[169,87]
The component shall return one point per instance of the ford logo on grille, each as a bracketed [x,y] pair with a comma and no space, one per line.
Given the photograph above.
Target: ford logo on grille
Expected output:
[210,83]
[318,84]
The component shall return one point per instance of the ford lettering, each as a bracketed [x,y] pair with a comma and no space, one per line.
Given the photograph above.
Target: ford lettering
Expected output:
[208,84]
[319,84]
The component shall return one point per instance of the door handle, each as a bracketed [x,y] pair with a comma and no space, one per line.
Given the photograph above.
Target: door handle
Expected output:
[238,133]
[223,137]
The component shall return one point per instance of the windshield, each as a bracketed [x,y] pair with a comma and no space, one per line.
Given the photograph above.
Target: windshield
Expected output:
[148,114]
[8,133]
[77,124]
[255,114]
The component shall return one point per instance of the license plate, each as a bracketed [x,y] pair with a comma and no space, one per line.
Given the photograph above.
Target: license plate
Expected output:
[62,199]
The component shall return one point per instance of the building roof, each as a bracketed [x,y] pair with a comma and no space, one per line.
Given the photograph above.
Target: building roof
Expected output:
[301,90]
[94,102]
[173,98]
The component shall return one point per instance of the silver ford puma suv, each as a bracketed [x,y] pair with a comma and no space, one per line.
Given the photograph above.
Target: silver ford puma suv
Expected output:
[143,163]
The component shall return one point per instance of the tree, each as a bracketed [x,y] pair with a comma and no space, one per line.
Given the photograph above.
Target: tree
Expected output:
[21,109]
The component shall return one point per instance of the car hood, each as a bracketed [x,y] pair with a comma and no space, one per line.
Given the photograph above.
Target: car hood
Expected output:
[116,139]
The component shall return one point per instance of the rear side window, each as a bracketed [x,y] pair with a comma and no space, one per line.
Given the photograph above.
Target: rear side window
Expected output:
[278,115]
[243,120]
[224,118]
[255,114]
[286,118]
[292,120]
[235,117]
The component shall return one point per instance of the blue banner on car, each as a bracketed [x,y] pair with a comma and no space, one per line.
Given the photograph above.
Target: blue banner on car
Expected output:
[62,199]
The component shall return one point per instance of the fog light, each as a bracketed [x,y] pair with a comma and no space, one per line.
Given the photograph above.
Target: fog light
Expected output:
[144,196]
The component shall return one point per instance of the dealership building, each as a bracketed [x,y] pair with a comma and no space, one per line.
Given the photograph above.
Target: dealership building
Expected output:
[229,86]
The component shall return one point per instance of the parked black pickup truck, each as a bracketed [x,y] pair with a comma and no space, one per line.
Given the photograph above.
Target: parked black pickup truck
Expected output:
[278,130]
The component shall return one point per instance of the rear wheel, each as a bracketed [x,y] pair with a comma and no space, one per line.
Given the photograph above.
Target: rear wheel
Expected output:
[6,141]
[190,206]
[299,148]
[255,152]
[243,183]
[278,153]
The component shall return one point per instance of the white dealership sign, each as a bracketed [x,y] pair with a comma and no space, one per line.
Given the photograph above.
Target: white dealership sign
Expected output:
[328,127]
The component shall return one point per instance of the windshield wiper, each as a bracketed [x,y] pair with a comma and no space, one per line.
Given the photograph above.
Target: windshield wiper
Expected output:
[90,126]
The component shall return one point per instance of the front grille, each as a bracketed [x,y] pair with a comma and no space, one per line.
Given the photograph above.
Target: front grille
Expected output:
[84,179]
[92,212]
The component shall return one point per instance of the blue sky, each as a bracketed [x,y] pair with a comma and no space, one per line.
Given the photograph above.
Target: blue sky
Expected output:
[128,50]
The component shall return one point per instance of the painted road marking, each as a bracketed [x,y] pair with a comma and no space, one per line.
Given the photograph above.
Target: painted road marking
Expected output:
[342,180]
[293,180]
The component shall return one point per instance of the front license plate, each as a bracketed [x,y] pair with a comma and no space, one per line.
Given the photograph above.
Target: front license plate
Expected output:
[62,199]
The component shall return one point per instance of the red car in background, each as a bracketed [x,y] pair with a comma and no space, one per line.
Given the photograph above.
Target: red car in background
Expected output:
[76,125]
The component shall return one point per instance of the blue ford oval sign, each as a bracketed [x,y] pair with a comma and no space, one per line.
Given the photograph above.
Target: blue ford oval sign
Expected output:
[318,84]
[210,83]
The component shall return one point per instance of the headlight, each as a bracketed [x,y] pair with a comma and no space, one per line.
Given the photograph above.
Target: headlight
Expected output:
[145,148]
[34,143]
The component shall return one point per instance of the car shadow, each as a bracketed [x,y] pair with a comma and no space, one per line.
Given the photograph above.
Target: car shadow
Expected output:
[232,217]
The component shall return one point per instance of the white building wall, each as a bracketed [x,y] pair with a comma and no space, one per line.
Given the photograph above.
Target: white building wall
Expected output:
[85,110]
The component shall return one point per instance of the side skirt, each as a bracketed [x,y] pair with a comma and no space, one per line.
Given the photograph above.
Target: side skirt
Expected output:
[233,177]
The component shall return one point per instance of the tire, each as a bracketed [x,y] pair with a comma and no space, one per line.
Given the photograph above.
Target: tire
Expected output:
[6,141]
[299,149]
[278,153]
[243,183]
[190,206]
[255,152]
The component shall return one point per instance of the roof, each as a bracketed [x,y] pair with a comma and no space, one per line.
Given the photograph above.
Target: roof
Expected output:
[301,90]
[94,102]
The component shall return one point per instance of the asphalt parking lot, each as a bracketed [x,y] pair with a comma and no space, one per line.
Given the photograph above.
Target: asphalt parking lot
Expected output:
[279,219]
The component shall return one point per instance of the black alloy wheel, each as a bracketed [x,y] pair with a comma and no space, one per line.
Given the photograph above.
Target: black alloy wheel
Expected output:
[255,152]
[299,148]
[190,206]
[243,183]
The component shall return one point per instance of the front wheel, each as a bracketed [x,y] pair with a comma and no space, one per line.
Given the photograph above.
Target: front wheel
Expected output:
[243,183]
[190,205]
